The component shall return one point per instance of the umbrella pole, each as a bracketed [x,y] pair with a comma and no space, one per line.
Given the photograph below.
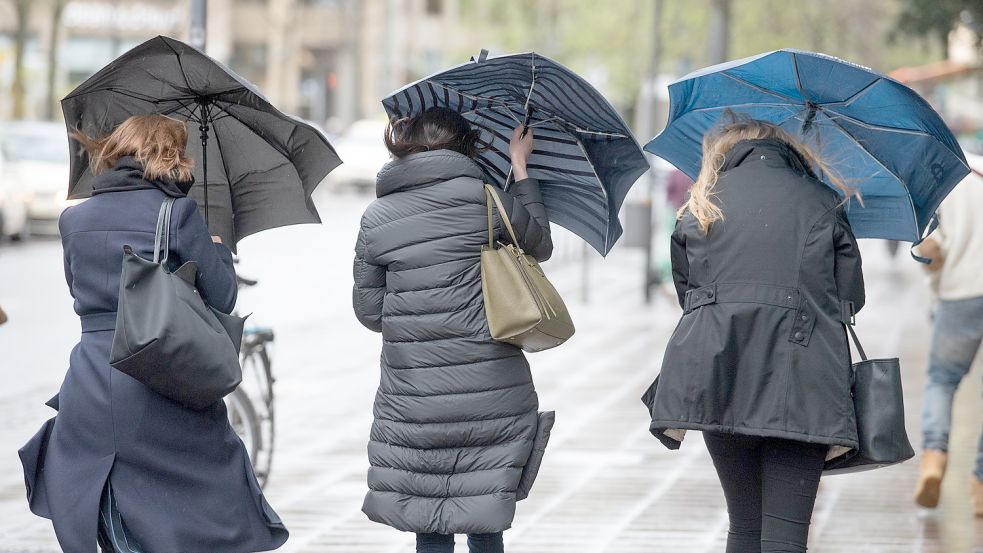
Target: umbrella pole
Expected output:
[203,128]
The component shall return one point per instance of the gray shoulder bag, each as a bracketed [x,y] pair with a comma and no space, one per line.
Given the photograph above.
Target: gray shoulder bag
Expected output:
[167,337]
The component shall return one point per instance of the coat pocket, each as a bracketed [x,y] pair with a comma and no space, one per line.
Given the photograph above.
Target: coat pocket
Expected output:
[531,470]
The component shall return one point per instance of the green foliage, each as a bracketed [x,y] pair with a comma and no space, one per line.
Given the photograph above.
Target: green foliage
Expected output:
[935,18]
[610,41]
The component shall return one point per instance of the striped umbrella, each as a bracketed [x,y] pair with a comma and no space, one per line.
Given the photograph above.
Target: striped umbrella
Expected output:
[585,158]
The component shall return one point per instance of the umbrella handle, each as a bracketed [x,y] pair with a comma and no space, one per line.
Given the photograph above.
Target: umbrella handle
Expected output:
[525,121]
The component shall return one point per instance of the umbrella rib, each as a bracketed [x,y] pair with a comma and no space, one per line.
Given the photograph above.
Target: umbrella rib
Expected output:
[221,153]
[760,89]
[180,65]
[532,83]
[750,104]
[874,127]
[232,115]
[798,78]
[855,96]
[911,202]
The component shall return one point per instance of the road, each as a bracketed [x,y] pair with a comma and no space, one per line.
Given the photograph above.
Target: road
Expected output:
[606,485]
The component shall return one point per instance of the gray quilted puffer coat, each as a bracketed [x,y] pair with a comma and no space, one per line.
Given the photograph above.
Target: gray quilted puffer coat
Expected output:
[457,436]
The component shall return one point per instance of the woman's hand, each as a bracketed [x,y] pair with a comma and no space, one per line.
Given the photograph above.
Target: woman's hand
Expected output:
[216,239]
[520,148]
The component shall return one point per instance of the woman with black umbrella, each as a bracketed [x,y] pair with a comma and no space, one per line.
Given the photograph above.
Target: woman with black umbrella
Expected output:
[767,271]
[120,464]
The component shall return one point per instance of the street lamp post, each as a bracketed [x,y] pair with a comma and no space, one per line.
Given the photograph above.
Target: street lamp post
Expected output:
[199,19]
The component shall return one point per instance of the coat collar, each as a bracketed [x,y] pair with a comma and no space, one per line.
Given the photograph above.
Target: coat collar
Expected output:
[748,150]
[423,169]
[127,175]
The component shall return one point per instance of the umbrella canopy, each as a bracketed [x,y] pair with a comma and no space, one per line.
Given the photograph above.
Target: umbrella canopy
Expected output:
[585,158]
[256,167]
[881,136]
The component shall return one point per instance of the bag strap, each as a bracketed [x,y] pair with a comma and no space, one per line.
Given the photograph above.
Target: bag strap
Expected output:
[491,197]
[162,238]
[847,318]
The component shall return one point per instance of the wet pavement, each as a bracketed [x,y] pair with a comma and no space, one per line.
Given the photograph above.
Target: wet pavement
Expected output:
[605,486]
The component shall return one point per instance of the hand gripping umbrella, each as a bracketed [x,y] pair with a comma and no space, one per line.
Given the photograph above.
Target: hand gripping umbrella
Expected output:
[585,158]
[256,167]
[880,135]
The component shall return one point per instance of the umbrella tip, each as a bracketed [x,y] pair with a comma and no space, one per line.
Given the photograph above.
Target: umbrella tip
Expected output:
[482,56]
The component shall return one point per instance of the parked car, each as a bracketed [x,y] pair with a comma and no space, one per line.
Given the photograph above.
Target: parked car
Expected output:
[13,210]
[363,152]
[34,175]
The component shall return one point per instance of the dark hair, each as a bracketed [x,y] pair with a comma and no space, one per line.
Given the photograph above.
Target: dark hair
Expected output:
[435,129]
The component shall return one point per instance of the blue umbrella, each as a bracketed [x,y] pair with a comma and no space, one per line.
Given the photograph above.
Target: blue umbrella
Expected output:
[585,157]
[879,135]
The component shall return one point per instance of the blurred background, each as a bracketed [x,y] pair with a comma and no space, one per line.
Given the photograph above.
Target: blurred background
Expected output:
[605,485]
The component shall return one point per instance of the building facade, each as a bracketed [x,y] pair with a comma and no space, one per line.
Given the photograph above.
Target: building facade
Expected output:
[328,61]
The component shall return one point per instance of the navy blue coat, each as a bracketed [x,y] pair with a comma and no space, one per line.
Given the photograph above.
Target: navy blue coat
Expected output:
[182,478]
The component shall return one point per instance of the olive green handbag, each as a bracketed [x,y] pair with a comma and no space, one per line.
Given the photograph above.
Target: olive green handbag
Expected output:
[522,307]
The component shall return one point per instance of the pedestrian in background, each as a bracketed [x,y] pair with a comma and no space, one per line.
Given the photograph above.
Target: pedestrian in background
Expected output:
[120,464]
[457,438]
[767,270]
[956,273]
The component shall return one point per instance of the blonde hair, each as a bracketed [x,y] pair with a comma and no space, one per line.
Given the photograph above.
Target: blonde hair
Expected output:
[157,142]
[716,143]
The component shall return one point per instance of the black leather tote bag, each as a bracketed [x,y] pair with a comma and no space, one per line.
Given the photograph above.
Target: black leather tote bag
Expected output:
[167,337]
[879,405]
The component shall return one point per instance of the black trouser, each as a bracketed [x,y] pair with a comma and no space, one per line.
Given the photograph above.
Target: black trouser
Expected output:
[770,486]
[444,543]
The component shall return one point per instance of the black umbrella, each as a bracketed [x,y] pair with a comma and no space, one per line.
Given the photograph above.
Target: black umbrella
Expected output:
[260,165]
[585,158]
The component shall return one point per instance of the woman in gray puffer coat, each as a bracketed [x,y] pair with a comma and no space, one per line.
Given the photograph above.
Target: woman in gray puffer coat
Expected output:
[457,437]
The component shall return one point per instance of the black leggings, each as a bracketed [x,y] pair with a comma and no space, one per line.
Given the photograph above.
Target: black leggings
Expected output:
[444,543]
[770,486]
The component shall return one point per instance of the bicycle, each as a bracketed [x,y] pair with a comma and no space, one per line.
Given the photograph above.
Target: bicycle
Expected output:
[251,405]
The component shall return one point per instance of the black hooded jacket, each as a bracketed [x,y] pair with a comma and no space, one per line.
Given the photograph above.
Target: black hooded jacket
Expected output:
[761,349]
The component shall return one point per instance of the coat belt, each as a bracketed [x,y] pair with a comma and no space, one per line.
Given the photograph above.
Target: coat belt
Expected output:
[741,292]
[97,322]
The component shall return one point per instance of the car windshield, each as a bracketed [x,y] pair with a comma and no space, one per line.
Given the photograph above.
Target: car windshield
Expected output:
[46,148]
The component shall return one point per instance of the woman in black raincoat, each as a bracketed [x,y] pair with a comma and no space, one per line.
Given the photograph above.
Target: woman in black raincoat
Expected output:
[121,464]
[767,270]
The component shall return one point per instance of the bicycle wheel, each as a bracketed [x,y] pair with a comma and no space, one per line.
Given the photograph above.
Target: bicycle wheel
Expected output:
[257,364]
[242,417]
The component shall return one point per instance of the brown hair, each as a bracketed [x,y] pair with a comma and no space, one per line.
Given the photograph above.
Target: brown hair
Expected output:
[736,128]
[435,129]
[157,142]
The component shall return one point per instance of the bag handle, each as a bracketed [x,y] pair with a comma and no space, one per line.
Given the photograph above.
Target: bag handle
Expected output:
[163,233]
[491,196]
[846,315]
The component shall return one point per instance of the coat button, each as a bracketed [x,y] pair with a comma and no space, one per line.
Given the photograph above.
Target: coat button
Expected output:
[709,294]
[799,336]
[804,317]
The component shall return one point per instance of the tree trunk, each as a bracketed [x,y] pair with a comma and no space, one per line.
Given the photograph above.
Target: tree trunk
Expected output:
[22,10]
[57,9]
[719,41]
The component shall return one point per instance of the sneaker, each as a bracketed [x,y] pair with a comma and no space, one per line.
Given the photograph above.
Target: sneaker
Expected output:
[930,481]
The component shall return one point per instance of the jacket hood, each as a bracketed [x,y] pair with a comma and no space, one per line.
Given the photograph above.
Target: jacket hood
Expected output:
[425,168]
[127,175]
[764,148]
